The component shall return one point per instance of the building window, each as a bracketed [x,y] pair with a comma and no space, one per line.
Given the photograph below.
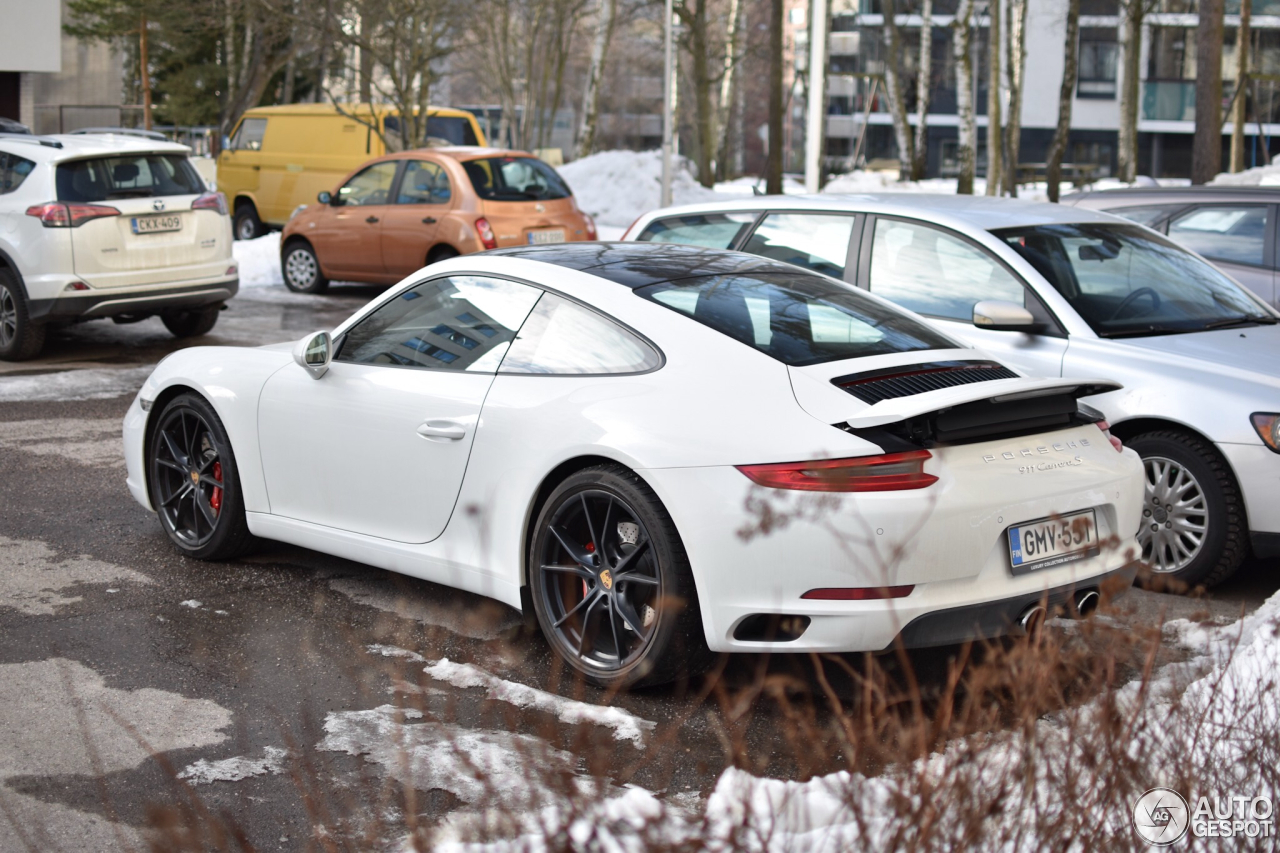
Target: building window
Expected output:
[1096,77]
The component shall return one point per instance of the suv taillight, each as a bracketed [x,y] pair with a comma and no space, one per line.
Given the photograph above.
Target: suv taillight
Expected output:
[60,214]
[485,230]
[211,201]
[887,473]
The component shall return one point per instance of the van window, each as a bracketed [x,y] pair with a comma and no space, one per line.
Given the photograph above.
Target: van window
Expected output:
[249,135]
[133,176]
[456,130]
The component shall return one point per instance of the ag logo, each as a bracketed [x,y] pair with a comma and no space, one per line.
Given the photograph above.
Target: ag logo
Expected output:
[1161,816]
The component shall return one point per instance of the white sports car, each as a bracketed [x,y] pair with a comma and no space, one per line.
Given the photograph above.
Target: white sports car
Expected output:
[658,450]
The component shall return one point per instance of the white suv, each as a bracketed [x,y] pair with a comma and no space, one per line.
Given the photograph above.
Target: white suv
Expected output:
[107,225]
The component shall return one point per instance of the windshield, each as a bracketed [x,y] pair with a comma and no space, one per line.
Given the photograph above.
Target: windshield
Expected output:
[515,179]
[1127,281]
[796,318]
[131,176]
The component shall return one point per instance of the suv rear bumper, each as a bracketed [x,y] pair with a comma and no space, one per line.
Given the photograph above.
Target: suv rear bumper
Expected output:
[88,304]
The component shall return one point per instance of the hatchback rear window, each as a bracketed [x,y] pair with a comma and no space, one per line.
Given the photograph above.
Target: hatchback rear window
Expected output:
[515,179]
[129,176]
[796,318]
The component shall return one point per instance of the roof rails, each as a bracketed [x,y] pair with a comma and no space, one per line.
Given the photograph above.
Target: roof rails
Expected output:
[30,139]
[123,131]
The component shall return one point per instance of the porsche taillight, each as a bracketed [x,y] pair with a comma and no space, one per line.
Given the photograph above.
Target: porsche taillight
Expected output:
[888,473]
[61,214]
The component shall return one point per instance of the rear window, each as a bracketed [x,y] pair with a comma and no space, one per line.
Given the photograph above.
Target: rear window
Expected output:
[796,318]
[131,176]
[515,179]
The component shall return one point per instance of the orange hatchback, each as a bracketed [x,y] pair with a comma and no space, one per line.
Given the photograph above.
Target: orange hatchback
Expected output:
[398,213]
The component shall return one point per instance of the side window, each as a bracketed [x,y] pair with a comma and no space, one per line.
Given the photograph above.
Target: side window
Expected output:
[454,323]
[423,183]
[371,185]
[562,337]
[13,171]
[249,135]
[1236,234]
[930,272]
[709,230]
[1146,214]
[815,241]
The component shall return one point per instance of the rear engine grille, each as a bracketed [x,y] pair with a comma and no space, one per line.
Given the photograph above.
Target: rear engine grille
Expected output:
[877,385]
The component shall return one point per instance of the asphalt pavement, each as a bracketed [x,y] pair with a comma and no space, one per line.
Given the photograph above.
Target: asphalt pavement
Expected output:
[134,681]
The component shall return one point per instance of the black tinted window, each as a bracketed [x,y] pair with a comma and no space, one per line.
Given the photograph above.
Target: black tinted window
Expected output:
[456,323]
[104,178]
[515,179]
[13,171]
[796,318]
[455,130]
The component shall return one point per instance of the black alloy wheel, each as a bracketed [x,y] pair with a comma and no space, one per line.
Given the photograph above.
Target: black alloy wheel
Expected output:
[20,338]
[194,484]
[611,584]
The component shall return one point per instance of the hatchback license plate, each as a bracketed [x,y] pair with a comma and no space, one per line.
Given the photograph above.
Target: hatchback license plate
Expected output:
[1053,541]
[538,237]
[157,224]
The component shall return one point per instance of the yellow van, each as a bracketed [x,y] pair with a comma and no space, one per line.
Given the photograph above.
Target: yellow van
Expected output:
[281,157]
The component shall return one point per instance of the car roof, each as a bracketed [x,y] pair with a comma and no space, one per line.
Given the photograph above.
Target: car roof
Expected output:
[1174,194]
[57,147]
[958,211]
[637,265]
[325,109]
[461,153]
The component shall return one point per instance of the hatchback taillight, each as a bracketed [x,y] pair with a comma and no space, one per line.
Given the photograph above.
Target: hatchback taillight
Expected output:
[211,201]
[592,234]
[485,230]
[60,214]
[887,473]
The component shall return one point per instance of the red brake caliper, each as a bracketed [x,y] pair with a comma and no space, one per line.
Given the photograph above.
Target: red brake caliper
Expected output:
[215,500]
[591,549]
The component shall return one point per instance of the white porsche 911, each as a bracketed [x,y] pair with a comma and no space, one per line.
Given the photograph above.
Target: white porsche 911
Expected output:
[658,450]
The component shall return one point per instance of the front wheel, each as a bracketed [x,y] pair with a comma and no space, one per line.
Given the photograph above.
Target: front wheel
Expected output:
[191,324]
[611,584]
[195,484]
[1193,523]
[301,268]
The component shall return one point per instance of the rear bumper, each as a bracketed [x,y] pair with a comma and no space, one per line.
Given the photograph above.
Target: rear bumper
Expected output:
[993,619]
[108,303]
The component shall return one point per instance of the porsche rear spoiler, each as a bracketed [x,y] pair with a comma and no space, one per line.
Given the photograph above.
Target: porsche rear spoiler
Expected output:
[981,410]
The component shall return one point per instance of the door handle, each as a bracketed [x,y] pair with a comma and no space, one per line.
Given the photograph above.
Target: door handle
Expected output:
[447,430]
[256,168]
[430,220]
[371,218]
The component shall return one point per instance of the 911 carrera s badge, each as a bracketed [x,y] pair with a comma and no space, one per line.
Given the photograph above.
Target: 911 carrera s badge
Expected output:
[606,579]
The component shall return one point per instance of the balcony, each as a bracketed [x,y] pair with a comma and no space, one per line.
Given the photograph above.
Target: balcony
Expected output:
[1169,100]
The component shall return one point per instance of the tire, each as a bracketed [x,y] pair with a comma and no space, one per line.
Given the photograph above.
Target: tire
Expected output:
[1209,510]
[191,324]
[301,268]
[642,627]
[247,225]
[187,450]
[20,337]
[442,253]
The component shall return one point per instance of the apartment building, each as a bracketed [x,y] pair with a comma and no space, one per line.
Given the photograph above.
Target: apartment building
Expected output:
[1166,119]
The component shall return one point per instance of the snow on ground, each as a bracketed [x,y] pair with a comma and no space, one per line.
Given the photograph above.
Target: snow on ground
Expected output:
[452,611]
[626,726]
[94,442]
[96,383]
[235,769]
[616,187]
[259,261]
[36,577]
[1258,176]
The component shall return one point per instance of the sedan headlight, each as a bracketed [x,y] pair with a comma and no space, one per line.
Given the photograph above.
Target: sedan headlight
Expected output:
[1268,427]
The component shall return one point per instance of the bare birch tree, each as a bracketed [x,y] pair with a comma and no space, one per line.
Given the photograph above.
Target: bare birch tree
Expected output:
[1133,13]
[1015,55]
[595,71]
[968,132]
[1206,146]
[1242,86]
[773,162]
[734,37]
[894,89]
[1066,93]
[995,135]
[924,80]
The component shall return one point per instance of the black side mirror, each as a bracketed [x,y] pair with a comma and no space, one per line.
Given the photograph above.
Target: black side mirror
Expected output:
[324,198]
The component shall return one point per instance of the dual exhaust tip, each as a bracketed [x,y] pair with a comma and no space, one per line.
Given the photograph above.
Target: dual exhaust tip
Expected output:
[1032,620]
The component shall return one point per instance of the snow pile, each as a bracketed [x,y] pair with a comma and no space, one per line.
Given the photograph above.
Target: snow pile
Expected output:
[1258,176]
[259,261]
[626,726]
[235,769]
[617,187]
